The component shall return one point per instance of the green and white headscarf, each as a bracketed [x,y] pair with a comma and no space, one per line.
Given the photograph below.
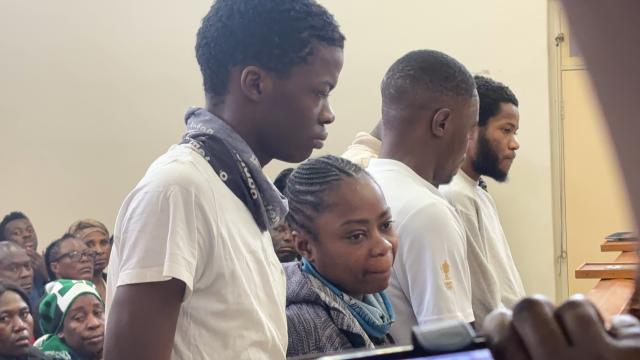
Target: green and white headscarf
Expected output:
[60,295]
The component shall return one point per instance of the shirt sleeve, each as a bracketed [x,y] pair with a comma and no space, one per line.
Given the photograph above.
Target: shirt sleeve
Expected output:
[159,237]
[434,265]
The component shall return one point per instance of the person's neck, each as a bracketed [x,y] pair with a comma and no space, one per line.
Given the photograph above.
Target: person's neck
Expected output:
[238,122]
[467,167]
[377,131]
[405,153]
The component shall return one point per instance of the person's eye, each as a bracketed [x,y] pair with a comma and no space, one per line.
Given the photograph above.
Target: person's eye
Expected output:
[98,313]
[4,319]
[507,130]
[24,314]
[387,225]
[322,94]
[356,237]
[79,318]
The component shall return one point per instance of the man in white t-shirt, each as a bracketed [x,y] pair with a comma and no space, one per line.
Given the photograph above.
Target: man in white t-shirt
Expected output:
[494,277]
[193,273]
[429,109]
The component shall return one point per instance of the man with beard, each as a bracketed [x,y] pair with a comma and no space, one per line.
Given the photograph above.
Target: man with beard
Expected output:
[495,281]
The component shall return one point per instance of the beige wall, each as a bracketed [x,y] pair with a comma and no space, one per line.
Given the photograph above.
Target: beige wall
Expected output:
[91,92]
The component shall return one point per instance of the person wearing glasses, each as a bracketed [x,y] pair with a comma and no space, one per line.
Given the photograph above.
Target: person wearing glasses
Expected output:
[69,258]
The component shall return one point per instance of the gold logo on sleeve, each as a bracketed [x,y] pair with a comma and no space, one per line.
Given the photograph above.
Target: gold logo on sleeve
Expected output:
[448,283]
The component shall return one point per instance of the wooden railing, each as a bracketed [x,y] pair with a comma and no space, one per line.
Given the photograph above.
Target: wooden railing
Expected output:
[613,293]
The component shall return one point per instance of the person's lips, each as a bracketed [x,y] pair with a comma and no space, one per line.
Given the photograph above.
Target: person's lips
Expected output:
[101,262]
[95,339]
[318,142]
[26,286]
[379,272]
[86,269]
[286,249]
[23,341]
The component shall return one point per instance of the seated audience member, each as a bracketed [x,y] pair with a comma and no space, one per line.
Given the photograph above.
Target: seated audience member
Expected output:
[342,227]
[72,318]
[281,234]
[15,267]
[16,227]
[365,146]
[96,236]
[495,280]
[536,330]
[16,325]
[430,108]
[69,258]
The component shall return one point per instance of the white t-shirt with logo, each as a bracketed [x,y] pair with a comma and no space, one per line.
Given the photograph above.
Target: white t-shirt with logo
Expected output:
[430,276]
[181,221]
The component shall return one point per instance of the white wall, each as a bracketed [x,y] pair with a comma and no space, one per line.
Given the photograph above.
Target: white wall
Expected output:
[91,92]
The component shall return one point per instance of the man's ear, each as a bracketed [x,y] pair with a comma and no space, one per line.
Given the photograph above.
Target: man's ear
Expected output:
[303,244]
[255,82]
[440,122]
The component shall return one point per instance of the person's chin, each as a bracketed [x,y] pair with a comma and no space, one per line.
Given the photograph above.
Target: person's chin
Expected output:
[86,275]
[22,345]
[296,155]
[378,280]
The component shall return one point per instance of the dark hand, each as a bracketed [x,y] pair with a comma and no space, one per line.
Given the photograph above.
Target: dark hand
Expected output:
[536,330]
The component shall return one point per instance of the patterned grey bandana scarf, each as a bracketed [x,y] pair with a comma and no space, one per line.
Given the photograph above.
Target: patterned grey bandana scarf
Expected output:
[236,165]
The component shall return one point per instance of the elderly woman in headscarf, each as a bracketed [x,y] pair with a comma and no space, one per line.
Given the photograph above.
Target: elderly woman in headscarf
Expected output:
[96,236]
[72,318]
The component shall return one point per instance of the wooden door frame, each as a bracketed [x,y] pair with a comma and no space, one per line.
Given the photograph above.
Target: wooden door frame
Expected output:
[556,38]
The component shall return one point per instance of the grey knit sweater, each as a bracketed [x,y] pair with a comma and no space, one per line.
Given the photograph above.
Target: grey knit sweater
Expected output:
[317,320]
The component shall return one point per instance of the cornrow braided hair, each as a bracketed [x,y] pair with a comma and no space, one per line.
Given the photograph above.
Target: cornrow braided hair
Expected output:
[308,184]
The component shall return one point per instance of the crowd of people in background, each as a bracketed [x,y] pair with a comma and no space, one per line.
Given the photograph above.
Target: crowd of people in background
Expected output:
[54,300]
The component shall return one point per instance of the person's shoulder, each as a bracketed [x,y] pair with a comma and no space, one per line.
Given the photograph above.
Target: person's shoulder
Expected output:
[459,196]
[181,166]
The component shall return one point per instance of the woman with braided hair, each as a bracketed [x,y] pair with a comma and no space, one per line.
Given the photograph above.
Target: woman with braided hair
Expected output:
[342,227]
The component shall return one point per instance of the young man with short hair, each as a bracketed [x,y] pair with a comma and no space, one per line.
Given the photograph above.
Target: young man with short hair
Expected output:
[17,227]
[193,274]
[495,280]
[429,109]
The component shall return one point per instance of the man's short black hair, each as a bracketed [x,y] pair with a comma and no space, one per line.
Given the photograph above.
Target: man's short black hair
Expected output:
[424,72]
[14,215]
[275,35]
[492,94]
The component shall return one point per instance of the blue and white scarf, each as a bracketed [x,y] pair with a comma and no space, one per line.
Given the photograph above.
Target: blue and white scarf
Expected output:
[374,313]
